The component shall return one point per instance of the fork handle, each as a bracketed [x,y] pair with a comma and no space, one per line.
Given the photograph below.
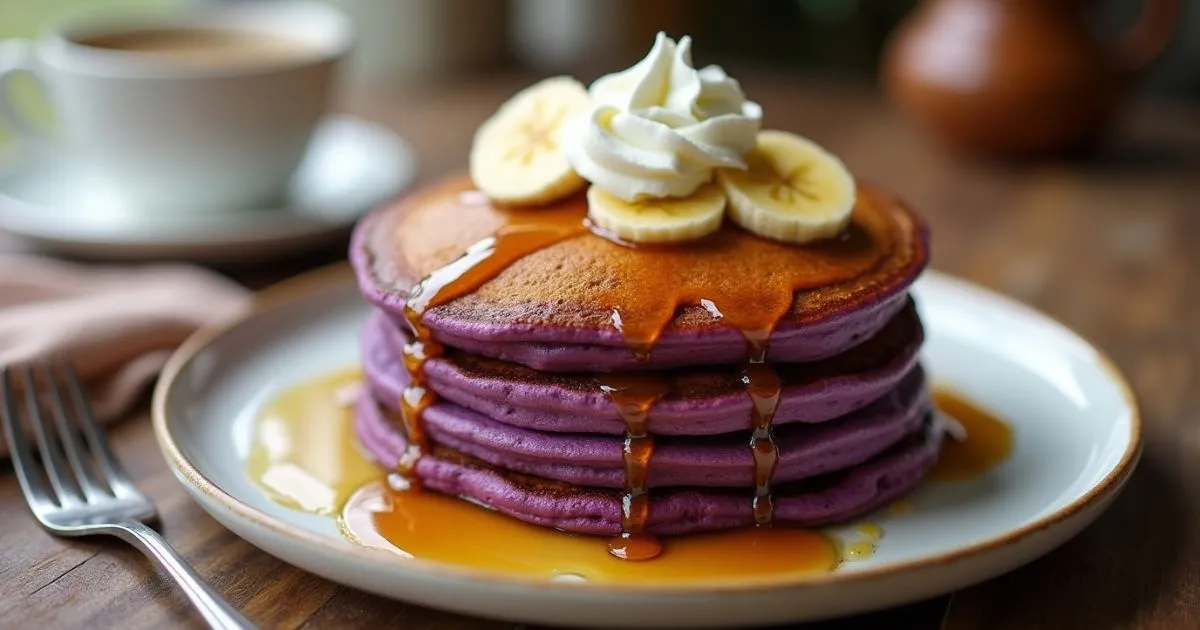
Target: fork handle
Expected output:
[215,610]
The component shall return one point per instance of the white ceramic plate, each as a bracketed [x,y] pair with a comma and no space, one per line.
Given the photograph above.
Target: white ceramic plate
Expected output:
[1076,428]
[351,166]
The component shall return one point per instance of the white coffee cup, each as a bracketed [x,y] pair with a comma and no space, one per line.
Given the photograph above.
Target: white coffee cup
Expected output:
[171,133]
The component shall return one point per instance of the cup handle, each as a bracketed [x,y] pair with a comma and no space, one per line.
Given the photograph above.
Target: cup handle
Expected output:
[1146,39]
[16,57]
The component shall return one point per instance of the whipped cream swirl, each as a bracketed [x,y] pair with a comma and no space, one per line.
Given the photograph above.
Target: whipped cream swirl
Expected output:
[659,128]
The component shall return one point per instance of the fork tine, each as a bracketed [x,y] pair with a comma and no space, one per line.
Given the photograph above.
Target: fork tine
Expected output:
[68,433]
[19,450]
[101,451]
[52,461]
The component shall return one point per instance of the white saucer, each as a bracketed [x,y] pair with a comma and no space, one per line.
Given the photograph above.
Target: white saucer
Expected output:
[1075,424]
[351,166]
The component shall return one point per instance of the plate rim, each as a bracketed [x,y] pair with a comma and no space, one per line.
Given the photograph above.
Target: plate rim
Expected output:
[290,290]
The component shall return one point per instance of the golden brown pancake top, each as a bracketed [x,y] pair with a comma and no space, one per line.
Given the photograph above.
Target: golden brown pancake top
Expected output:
[581,282]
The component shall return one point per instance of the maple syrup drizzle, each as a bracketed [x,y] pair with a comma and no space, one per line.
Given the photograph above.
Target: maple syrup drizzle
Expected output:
[764,386]
[417,396]
[523,233]
[634,395]
[976,442]
[639,345]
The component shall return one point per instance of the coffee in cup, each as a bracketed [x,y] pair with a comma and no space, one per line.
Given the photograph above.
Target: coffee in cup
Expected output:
[206,47]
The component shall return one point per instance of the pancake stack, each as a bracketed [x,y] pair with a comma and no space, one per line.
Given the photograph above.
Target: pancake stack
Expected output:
[641,314]
[529,416]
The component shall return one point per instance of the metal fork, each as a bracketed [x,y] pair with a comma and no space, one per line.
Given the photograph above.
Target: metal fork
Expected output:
[89,493]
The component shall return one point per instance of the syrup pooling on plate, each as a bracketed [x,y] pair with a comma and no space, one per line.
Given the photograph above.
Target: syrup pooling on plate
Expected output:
[306,432]
[303,453]
[976,440]
[859,551]
[633,395]
[870,532]
[416,524]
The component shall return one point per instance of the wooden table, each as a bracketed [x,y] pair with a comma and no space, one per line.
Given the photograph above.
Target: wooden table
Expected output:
[1110,246]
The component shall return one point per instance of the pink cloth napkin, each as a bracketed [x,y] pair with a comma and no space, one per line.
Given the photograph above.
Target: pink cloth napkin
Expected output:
[117,324]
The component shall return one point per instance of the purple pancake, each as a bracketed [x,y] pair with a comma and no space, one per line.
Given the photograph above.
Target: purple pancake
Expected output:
[789,344]
[816,501]
[805,450]
[544,312]
[700,401]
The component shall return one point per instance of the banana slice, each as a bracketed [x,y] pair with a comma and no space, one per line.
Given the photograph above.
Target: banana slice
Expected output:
[651,220]
[793,190]
[516,157]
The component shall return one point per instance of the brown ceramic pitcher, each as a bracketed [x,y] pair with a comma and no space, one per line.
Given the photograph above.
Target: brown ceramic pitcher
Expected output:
[1017,78]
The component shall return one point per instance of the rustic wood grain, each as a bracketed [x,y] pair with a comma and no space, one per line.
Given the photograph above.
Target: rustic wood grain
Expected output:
[1109,245]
